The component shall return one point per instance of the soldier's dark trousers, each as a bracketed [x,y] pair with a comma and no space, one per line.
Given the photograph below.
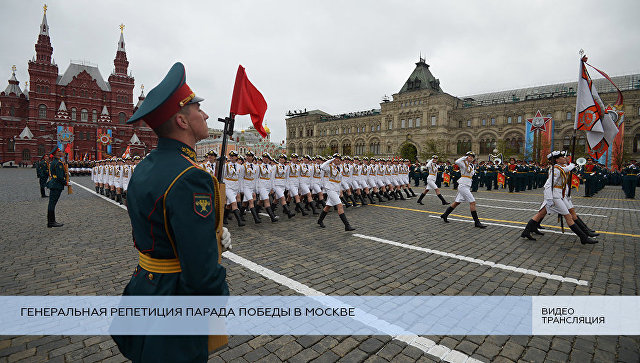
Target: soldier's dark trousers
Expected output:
[54,195]
[43,184]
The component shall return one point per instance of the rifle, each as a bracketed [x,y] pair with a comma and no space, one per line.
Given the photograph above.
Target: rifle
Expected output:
[217,342]
[66,176]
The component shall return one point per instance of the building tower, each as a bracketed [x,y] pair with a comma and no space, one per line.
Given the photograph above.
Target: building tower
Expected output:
[121,84]
[43,73]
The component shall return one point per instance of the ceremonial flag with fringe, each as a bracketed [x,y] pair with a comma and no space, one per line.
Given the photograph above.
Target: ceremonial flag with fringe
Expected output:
[591,115]
[575,181]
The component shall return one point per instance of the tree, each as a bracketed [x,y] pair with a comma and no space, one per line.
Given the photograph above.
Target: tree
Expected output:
[408,151]
[433,147]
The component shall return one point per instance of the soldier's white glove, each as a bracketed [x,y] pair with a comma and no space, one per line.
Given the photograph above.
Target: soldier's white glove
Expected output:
[549,203]
[225,240]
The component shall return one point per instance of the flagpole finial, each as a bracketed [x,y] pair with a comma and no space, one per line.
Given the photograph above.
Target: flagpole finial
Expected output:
[581,52]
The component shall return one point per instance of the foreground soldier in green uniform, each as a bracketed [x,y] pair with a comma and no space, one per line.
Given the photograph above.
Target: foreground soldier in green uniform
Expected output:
[56,186]
[174,212]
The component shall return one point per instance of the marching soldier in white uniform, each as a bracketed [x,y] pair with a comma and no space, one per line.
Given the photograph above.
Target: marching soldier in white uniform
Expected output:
[264,185]
[232,186]
[334,174]
[317,181]
[465,164]
[293,184]
[432,168]
[280,178]
[248,175]
[555,200]
[306,172]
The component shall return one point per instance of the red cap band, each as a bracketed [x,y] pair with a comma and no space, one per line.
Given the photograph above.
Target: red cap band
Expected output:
[173,104]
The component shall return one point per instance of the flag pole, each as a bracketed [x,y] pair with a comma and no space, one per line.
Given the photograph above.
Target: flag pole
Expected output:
[228,131]
[573,158]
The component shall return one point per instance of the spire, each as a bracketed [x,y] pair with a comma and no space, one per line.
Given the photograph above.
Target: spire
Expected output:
[44,50]
[120,62]
[44,27]
[62,107]
[140,98]
[121,42]
[62,114]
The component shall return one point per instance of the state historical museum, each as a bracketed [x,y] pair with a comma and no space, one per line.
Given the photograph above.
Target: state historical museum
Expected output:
[77,110]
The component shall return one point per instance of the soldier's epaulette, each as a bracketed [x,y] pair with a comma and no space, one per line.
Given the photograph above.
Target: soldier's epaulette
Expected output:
[199,166]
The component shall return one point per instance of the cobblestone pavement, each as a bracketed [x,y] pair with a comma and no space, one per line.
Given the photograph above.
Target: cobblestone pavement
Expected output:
[93,255]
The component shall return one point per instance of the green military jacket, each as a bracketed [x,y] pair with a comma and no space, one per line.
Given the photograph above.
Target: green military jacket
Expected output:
[58,178]
[171,204]
[42,169]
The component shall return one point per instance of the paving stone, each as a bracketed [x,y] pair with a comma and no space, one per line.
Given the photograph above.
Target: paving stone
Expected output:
[305,355]
[260,340]
[327,357]
[512,351]
[488,350]
[308,340]
[288,350]
[534,355]
[355,355]
[371,345]
[278,343]
[21,355]
[345,346]
[324,344]
[256,354]
[236,352]
[412,352]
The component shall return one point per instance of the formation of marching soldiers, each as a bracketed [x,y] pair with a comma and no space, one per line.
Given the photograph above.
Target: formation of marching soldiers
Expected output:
[111,177]
[308,184]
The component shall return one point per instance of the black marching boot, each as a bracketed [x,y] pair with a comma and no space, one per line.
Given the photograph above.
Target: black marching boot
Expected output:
[321,218]
[353,200]
[347,226]
[237,214]
[421,197]
[531,225]
[313,208]
[300,209]
[43,194]
[444,202]
[288,212]
[590,232]
[97,190]
[585,229]
[254,214]
[370,199]
[379,195]
[446,214]
[399,193]
[412,193]
[344,202]
[406,191]
[474,214]
[362,198]
[51,220]
[273,217]
[225,217]
[584,239]
[119,198]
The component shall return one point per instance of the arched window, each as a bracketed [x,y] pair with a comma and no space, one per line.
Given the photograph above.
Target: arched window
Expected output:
[73,114]
[11,145]
[40,150]
[94,116]
[374,147]
[12,111]
[84,115]
[346,148]
[42,111]
[26,155]
[636,143]
[483,149]
[122,117]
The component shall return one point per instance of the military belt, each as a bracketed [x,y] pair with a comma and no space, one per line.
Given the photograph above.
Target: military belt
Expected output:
[157,265]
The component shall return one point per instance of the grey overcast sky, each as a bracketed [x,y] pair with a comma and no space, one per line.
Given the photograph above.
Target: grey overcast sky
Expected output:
[336,56]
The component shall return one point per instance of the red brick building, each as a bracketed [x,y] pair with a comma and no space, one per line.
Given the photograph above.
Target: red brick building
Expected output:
[79,100]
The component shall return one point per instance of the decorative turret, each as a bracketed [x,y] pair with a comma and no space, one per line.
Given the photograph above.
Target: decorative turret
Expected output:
[421,79]
[104,116]
[140,98]
[62,114]
[13,86]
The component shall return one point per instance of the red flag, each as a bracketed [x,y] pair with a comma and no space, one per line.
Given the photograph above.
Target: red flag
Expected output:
[67,149]
[247,100]
[575,181]
[501,179]
[446,178]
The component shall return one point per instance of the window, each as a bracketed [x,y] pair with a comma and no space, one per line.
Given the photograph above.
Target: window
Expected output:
[42,128]
[519,119]
[26,155]
[468,123]
[388,149]
[378,127]
[509,119]
[122,117]
[88,135]
[62,92]
[418,122]
[493,121]
[94,116]
[374,147]
[11,145]
[73,114]
[410,122]
[40,150]
[84,115]
[80,135]
[459,124]
[390,125]
[373,128]
[484,122]
[569,116]
[433,120]
[42,111]
[402,124]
